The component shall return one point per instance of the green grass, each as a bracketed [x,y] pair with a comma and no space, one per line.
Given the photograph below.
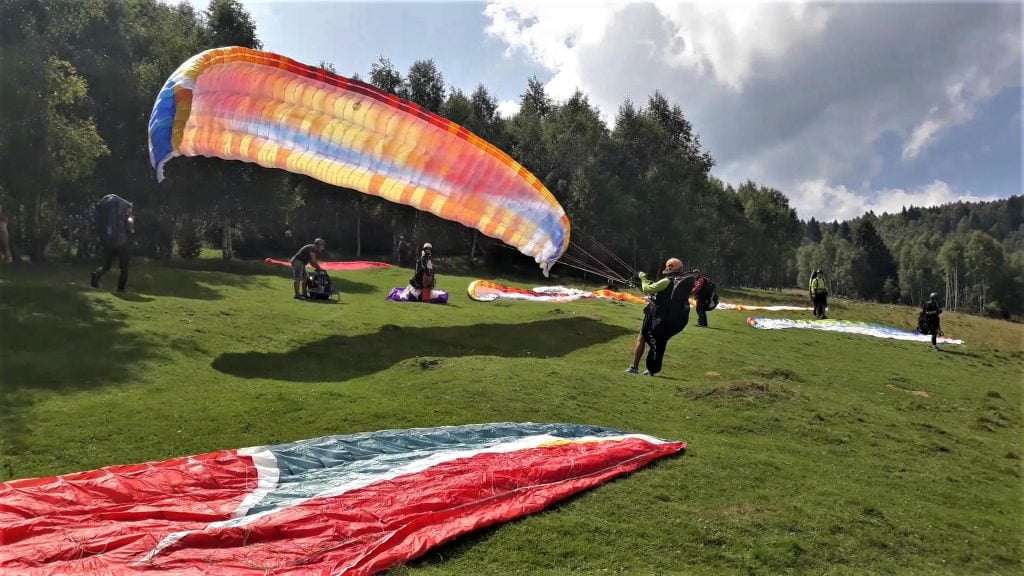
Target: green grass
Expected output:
[810,452]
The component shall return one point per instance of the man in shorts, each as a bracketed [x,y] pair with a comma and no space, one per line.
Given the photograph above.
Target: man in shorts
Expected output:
[306,256]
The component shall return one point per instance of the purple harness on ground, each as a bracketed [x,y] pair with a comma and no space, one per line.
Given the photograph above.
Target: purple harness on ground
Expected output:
[410,294]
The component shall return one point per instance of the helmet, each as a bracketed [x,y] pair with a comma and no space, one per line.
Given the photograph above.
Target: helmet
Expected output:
[673,265]
[934,296]
[696,271]
[319,242]
[427,246]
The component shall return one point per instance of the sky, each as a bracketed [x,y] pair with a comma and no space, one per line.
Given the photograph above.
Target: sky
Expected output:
[844,107]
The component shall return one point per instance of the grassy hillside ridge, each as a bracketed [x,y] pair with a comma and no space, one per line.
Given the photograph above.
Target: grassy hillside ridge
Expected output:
[809,452]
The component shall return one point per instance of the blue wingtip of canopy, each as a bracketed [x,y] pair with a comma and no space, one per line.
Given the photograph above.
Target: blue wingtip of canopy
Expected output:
[160,167]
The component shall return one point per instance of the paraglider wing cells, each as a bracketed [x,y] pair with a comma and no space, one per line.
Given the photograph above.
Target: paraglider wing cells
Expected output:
[241,104]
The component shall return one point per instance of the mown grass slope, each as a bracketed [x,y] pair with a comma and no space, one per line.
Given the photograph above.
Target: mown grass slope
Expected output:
[809,452]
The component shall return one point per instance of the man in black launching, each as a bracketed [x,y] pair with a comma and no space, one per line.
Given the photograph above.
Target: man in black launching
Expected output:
[667,313]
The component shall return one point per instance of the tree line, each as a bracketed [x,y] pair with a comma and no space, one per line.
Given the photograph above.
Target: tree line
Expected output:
[79,77]
[972,254]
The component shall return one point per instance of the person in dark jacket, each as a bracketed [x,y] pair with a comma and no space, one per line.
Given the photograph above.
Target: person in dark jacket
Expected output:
[667,313]
[931,312]
[306,256]
[423,281]
[404,252]
[703,299]
[115,221]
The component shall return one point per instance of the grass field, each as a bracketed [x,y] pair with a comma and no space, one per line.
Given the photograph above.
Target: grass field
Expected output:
[809,452]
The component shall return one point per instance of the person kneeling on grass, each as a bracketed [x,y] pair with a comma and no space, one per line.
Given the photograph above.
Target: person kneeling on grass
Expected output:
[423,282]
[306,256]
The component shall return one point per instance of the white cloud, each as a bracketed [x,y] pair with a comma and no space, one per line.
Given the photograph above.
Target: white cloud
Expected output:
[508,108]
[784,94]
[552,34]
[962,97]
[729,39]
[825,201]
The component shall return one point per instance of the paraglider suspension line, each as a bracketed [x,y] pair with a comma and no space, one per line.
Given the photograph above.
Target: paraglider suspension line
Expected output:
[608,252]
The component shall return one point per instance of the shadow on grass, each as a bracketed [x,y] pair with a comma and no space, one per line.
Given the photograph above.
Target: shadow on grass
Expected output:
[179,282]
[260,268]
[131,297]
[339,358]
[176,280]
[54,338]
[947,349]
[146,279]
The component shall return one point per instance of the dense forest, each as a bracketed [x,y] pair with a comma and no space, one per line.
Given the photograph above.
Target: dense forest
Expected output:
[78,79]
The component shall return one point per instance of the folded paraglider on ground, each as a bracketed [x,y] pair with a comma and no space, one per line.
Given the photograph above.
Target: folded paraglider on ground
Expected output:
[846,327]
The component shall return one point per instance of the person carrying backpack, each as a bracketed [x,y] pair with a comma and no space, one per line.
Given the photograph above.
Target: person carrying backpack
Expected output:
[705,292]
[930,313]
[115,220]
[819,294]
[667,313]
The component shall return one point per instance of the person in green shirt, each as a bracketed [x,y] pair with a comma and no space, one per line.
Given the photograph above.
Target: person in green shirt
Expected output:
[819,294]
[667,313]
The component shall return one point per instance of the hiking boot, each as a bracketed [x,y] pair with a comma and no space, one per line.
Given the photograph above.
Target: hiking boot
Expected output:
[632,370]
[94,280]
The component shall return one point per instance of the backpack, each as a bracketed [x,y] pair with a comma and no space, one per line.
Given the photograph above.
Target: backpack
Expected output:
[710,293]
[319,287]
[678,304]
[924,322]
[109,214]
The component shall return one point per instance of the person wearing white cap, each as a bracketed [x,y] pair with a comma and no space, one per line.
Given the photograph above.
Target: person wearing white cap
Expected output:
[423,280]
[667,313]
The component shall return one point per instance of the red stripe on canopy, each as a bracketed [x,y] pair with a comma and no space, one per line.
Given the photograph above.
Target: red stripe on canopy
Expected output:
[354,265]
[359,532]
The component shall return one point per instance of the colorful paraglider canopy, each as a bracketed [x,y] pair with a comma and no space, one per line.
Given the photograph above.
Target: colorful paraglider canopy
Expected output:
[487,291]
[241,104]
[846,327]
[763,308]
[353,505]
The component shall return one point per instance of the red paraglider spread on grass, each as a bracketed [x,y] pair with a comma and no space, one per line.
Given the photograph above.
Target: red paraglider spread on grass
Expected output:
[354,265]
[195,515]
